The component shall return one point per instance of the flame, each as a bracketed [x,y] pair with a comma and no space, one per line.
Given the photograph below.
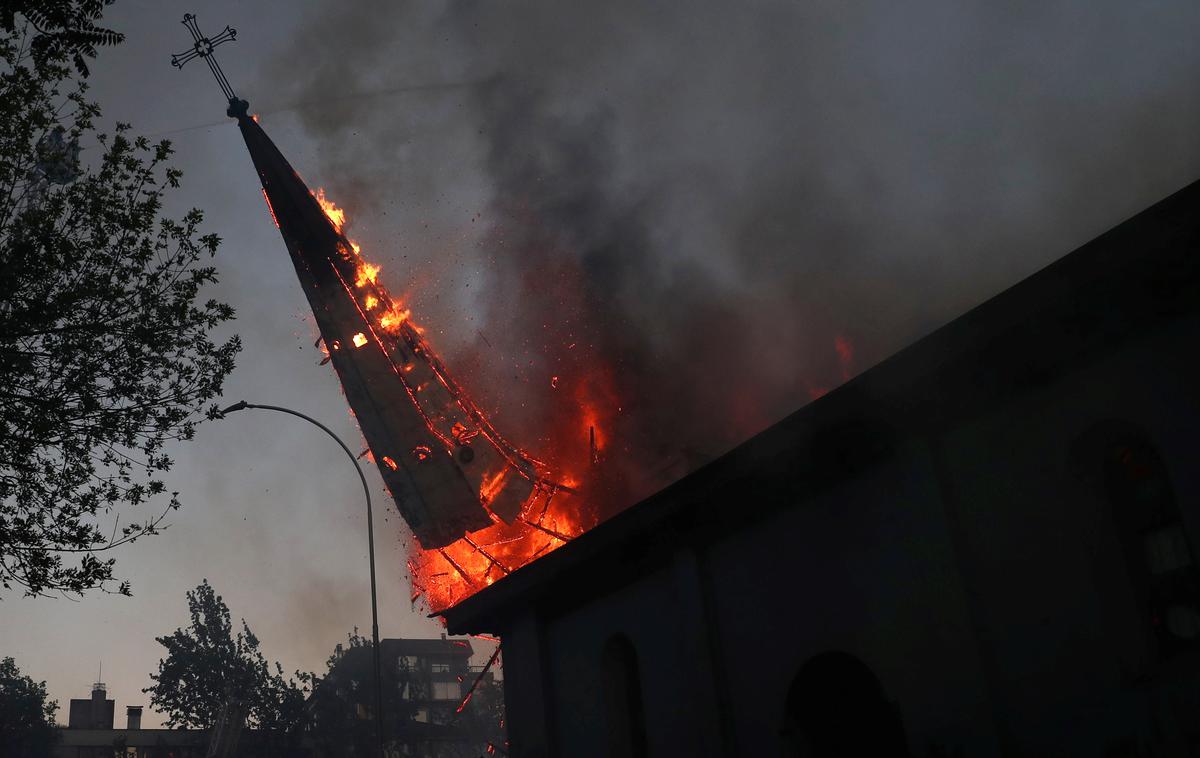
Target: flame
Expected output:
[393,318]
[552,515]
[367,273]
[336,215]
[492,485]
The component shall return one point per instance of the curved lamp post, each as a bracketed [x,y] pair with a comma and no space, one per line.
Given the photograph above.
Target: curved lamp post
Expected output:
[370,549]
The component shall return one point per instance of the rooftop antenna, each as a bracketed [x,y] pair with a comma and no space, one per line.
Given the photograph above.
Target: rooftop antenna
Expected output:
[203,47]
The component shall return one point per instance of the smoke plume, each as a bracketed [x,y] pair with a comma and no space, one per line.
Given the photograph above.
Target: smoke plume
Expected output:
[699,216]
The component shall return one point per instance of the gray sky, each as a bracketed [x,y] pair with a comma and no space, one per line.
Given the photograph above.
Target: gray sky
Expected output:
[738,191]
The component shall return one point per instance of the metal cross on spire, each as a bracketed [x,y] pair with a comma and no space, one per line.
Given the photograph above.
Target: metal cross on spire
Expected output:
[203,47]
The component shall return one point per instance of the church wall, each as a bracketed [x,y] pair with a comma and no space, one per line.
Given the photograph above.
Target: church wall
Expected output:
[1057,610]
[867,568]
[647,613]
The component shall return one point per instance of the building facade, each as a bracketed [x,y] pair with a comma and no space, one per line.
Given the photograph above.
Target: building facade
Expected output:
[425,684]
[90,733]
[983,546]
[95,712]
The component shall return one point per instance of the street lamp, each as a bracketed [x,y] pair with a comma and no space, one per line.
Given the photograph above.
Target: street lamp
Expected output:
[370,549]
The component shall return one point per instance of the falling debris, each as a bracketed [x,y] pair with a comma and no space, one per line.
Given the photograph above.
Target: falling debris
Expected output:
[478,505]
[467,493]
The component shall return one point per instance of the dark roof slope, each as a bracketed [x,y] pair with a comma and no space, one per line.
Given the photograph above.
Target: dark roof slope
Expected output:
[1134,278]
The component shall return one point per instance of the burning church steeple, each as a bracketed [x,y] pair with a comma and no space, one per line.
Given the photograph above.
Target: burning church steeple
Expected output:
[447,468]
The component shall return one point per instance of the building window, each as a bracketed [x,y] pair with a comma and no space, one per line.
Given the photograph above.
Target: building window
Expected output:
[447,691]
[440,667]
[1160,557]
[623,706]
[836,707]
[408,663]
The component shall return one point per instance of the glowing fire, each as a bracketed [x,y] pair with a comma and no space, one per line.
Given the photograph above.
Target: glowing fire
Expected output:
[394,318]
[551,516]
[271,208]
[367,273]
[492,484]
[336,215]
[581,437]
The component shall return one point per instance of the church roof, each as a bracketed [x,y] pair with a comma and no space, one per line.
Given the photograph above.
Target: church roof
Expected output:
[1131,280]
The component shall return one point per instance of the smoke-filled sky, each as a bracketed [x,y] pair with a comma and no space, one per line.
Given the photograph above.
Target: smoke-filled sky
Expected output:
[703,213]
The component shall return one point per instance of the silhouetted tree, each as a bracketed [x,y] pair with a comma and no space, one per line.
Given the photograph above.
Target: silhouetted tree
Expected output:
[207,666]
[106,347]
[26,717]
[339,723]
[60,29]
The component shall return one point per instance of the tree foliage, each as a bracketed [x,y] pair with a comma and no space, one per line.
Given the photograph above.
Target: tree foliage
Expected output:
[107,347]
[26,715]
[337,724]
[62,29]
[207,666]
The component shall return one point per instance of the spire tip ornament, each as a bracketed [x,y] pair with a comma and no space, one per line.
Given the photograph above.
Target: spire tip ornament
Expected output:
[203,47]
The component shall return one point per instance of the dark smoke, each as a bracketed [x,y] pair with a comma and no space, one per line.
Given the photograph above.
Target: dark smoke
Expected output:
[732,205]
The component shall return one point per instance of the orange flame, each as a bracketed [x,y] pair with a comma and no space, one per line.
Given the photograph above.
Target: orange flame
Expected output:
[367,272]
[336,215]
[548,519]
[393,318]
[492,484]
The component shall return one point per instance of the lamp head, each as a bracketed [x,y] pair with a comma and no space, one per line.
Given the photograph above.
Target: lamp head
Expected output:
[238,406]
